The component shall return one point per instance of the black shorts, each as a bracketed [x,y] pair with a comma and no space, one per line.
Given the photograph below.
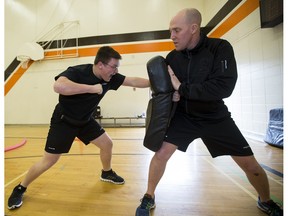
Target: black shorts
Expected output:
[62,134]
[221,137]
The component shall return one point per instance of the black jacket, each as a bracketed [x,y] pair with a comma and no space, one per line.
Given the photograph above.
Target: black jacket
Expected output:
[207,73]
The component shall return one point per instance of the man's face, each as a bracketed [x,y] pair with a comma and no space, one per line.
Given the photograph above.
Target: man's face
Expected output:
[181,32]
[110,69]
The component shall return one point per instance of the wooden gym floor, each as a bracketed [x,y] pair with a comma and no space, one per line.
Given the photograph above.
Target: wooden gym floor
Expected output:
[193,184]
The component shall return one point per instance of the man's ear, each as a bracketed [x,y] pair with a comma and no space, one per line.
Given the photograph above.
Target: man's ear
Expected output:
[194,28]
[100,64]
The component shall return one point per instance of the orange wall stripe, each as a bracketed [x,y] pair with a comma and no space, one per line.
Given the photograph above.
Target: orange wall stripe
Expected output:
[91,51]
[15,77]
[136,48]
[122,49]
[51,54]
[242,12]
[131,48]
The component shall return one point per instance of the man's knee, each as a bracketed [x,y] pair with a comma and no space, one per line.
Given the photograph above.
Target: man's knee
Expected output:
[49,160]
[250,165]
[165,152]
[103,142]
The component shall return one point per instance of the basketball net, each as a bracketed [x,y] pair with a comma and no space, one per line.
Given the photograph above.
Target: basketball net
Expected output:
[24,61]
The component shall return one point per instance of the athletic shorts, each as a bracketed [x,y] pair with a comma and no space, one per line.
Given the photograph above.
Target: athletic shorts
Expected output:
[62,134]
[221,137]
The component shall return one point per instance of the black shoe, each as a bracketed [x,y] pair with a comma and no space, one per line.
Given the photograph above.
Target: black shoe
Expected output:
[15,199]
[111,176]
[270,208]
[147,203]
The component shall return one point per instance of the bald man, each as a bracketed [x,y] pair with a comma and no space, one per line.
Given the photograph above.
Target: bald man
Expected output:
[203,72]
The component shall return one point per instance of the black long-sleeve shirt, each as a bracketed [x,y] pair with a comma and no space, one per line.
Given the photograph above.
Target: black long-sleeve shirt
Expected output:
[207,73]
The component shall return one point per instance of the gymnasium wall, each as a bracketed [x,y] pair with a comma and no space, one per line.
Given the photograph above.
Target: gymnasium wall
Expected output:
[259,53]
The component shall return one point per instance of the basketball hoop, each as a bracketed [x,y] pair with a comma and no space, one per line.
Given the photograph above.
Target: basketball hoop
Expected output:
[24,60]
[29,51]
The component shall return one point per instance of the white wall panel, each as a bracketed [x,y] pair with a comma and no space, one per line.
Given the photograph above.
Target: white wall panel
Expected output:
[51,13]
[126,15]
[259,55]
[210,9]
[20,26]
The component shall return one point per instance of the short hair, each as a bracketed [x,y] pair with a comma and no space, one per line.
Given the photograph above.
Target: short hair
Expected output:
[105,53]
[193,16]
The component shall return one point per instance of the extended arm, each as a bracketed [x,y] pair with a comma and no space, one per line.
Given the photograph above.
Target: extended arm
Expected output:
[136,82]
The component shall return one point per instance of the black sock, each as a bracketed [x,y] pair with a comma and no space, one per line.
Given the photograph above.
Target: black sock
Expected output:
[109,171]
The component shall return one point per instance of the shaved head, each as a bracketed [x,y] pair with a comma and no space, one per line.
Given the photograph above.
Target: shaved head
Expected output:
[193,16]
[190,16]
[185,28]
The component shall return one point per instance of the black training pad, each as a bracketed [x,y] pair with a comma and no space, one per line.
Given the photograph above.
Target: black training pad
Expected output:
[160,106]
[157,120]
[160,81]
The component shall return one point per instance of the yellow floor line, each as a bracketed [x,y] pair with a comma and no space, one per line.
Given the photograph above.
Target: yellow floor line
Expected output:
[231,179]
[275,180]
[13,180]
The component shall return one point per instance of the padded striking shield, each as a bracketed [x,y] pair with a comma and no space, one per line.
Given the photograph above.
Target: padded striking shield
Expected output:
[160,106]
[158,75]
